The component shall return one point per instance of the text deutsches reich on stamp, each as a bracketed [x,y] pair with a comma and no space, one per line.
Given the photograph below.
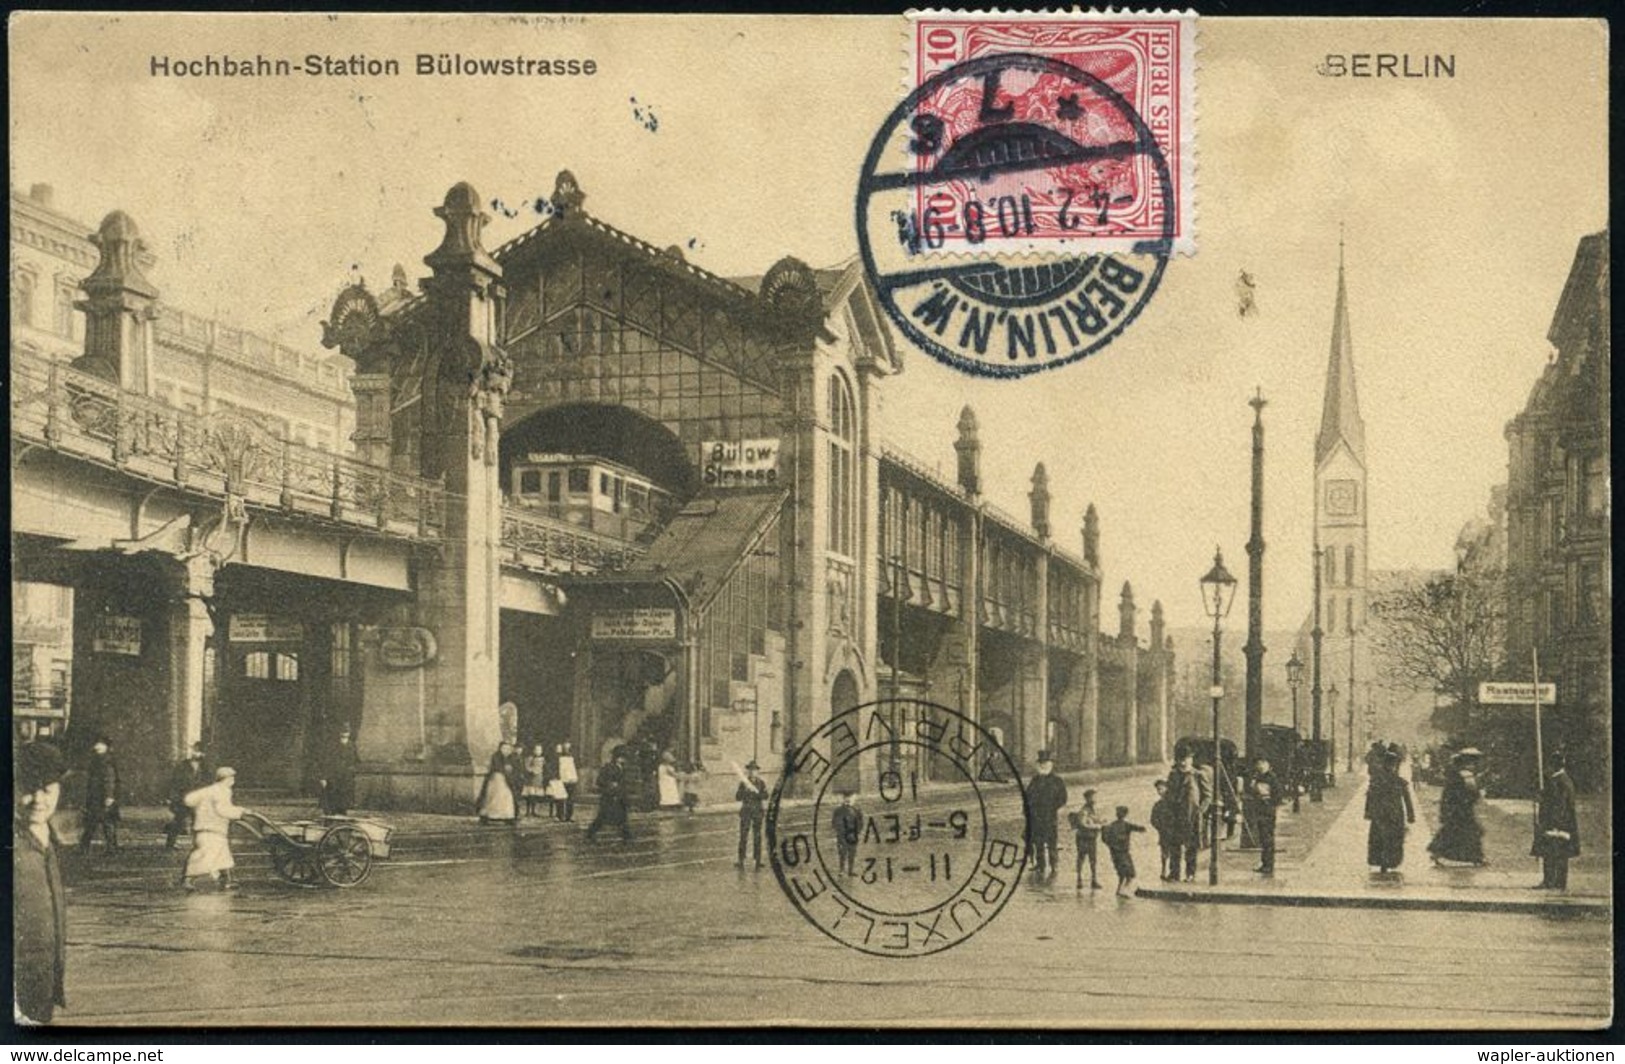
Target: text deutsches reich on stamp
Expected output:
[926,864]
[1017,210]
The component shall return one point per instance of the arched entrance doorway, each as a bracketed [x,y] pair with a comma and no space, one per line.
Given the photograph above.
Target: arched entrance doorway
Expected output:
[843,695]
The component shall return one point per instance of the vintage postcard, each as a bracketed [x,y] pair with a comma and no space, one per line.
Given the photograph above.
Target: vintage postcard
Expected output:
[952,519]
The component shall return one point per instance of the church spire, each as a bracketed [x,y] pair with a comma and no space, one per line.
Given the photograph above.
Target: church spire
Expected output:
[1340,416]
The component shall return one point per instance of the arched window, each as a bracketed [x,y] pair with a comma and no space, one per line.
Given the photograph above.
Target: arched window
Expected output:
[1348,615]
[1331,566]
[1348,566]
[64,309]
[842,433]
[22,297]
[1331,614]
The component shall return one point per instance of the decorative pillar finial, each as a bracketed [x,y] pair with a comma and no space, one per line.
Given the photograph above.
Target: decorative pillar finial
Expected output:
[1040,500]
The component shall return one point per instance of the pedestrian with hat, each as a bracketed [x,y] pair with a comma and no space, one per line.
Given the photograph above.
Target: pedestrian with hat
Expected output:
[337,781]
[1119,839]
[1260,796]
[847,824]
[751,794]
[101,813]
[612,811]
[1046,797]
[184,778]
[1086,825]
[212,814]
[1389,807]
[1460,836]
[39,937]
[1557,827]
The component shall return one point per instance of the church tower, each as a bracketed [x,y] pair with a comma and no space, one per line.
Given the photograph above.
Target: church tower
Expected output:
[1341,505]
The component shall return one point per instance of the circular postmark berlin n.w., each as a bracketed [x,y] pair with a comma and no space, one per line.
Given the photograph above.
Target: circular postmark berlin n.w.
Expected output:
[907,868]
[987,160]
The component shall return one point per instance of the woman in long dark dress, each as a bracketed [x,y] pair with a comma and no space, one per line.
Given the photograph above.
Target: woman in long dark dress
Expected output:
[1460,836]
[1389,808]
[496,802]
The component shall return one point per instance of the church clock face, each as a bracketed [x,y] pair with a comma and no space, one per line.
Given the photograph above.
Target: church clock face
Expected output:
[1342,498]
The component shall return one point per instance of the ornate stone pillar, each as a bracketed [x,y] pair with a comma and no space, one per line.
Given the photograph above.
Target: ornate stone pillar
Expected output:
[190,626]
[458,595]
[119,306]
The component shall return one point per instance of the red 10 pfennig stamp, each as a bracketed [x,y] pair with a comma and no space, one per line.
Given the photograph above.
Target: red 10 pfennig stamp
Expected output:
[1035,193]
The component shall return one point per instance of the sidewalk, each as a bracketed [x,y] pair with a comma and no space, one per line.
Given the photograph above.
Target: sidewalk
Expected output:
[143,826]
[1333,873]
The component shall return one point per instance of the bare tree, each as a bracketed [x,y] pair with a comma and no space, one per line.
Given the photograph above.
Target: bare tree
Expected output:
[1445,632]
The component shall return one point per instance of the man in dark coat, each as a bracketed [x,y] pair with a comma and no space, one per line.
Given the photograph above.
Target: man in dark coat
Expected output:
[751,794]
[1046,797]
[1259,798]
[187,776]
[612,798]
[847,824]
[1557,828]
[39,906]
[1185,812]
[338,775]
[101,812]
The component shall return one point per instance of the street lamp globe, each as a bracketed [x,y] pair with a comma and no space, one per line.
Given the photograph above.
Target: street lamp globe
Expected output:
[1294,672]
[1218,588]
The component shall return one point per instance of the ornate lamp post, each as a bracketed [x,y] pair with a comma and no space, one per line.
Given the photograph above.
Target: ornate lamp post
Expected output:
[1294,680]
[1218,595]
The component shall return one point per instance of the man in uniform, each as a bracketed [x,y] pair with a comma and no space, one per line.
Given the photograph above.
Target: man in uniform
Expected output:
[1185,814]
[1046,797]
[1557,827]
[751,796]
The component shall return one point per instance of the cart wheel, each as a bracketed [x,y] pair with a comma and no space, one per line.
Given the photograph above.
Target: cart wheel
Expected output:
[344,856]
[294,865]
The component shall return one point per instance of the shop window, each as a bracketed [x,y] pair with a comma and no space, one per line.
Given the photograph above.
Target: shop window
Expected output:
[270,665]
[530,482]
[580,481]
[342,649]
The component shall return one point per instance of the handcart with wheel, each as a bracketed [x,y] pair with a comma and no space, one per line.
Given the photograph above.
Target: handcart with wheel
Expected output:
[335,851]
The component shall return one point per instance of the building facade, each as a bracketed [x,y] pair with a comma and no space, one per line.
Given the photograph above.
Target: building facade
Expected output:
[190,362]
[1559,548]
[649,506]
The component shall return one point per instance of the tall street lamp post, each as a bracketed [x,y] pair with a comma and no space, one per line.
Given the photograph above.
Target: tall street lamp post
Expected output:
[1331,761]
[1318,777]
[1294,680]
[1218,595]
[896,654]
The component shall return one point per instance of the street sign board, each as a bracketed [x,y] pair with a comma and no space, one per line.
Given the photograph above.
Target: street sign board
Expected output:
[1516,694]
[740,464]
[635,624]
